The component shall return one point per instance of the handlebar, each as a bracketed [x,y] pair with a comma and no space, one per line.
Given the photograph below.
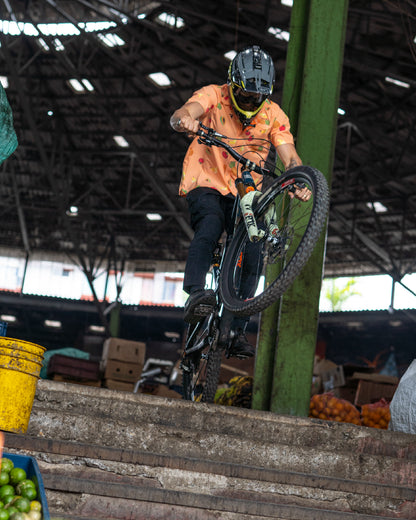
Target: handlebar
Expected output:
[210,137]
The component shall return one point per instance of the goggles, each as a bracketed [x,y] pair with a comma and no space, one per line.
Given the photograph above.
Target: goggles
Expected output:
[247,99]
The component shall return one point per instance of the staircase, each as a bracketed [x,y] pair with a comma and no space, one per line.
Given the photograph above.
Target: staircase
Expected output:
[105,454]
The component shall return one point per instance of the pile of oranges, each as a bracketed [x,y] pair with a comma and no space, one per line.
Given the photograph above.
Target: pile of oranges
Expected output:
[330,408]
[376,415]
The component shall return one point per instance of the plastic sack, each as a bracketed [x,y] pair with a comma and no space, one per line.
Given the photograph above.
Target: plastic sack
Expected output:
[403,404]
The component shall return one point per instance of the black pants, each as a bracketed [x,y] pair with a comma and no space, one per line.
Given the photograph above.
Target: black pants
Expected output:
[211,214]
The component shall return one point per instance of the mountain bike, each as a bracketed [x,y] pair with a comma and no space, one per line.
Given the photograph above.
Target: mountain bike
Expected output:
[273,238]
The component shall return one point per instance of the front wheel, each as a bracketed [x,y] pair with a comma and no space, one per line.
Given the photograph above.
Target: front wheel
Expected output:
[255,274]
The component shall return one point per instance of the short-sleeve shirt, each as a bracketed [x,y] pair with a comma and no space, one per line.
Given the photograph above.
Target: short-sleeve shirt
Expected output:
[213,167]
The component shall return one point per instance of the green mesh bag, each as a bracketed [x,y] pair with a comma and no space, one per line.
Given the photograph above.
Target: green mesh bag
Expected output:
[8,139]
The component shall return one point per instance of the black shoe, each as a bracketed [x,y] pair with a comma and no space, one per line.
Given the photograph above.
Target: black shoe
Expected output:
[240,347]
[198,305]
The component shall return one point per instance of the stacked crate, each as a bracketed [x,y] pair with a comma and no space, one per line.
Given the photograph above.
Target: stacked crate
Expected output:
[122,363]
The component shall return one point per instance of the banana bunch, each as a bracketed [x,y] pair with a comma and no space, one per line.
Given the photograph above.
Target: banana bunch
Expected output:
[238,393]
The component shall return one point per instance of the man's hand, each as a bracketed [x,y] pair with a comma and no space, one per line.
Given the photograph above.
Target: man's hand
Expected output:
[188,124]
[303,194]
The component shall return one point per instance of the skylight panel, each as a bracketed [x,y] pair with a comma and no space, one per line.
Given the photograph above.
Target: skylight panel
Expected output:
[160,79]
[172,21]
[80,87]
[111,40]
[121,141]
[279,33]
[97,26]
[58,29]
[378,207]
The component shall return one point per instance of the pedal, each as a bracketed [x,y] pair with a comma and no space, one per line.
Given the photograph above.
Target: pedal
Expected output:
[203,309]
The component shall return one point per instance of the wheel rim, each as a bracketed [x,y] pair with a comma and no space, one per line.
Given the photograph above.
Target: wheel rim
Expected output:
[254,263]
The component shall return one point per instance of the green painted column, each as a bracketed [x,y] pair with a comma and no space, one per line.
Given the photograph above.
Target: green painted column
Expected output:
[316,134]
[267,336]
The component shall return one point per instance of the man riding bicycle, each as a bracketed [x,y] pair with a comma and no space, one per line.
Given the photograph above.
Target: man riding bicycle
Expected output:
[241,108]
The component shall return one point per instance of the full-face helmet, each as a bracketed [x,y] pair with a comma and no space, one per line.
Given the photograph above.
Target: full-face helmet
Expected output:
[250,78]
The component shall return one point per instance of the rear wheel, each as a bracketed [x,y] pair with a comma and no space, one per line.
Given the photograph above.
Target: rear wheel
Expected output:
[255,275]
[201,362]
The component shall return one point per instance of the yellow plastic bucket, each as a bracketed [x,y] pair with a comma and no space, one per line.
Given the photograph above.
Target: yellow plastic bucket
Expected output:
[20,366]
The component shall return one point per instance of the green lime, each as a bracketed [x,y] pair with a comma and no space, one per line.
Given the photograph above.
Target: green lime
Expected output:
[4,478]
[25,484]
[12,510]
[17,475]
[6,490]
[29,493]
[6,464]
[7,499]
[22,504]
[35,505]
[4,514]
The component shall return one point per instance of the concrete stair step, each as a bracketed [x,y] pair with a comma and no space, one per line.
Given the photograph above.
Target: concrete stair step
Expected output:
[107,454]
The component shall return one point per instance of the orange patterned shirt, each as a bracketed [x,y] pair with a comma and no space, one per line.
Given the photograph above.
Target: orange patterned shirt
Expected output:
[213,167]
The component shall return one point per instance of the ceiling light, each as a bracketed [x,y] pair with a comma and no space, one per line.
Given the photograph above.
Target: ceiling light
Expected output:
[4,80]
[53,324]
[59,46]
[153,216]
[160,79]
[50,112]
[96,328]
[73,211]
[119,139]
[341,111]
[279,33]
[8,317]
[393,323]
[397,82]
[378,207]
[289,3]
[42,44]
[175,22]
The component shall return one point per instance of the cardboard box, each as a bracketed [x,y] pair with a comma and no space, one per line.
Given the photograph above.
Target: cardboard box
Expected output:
[373,387]
[124,350]
[112,384]
[73,367]
[122,371]
[331,374]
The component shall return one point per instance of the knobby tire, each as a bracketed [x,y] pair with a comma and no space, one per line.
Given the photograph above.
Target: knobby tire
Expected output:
[292,262]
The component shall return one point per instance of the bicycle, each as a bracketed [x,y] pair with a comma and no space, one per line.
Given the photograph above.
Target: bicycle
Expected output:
[274,236]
